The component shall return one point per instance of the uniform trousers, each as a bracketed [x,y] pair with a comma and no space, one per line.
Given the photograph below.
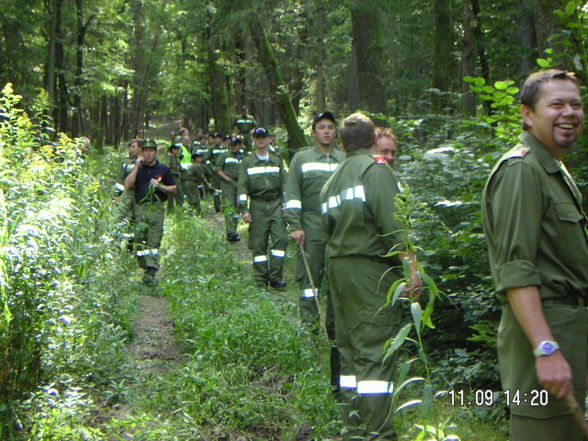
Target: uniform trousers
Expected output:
[530,420]
[359,286]
[267,222]
[230,206]
[150,217]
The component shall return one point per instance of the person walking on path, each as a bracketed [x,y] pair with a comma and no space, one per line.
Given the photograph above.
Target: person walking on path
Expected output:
[538,248]
[153,182]
[261,181]
[227,167]
[357,203]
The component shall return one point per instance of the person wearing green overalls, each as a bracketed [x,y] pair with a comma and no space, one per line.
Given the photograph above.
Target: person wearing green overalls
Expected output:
[261,181]
[153,183]
[309,170]
[538,248]
[126,198]
[174,164]
[227,167]
[195,181]
[216,149]
[357,204]
[244,124]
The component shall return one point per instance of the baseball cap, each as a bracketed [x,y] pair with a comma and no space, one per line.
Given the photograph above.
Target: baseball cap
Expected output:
[260,132]
[324,115]
[149,144]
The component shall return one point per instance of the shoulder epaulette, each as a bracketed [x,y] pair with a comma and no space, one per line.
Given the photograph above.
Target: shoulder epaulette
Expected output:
[380,160]
[518,152]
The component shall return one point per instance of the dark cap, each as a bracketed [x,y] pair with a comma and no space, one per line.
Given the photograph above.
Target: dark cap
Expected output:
[195,154]
[149,144]
[236,140]
[324,115]
[226,137]
[260,132]
[216,135]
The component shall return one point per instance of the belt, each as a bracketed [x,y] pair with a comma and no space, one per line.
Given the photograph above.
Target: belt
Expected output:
[265,199]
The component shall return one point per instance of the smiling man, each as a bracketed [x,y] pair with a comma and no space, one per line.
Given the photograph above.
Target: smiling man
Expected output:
[538,249]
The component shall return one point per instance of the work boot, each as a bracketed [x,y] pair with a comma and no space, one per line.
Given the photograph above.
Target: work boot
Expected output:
[233,237]
[279,284]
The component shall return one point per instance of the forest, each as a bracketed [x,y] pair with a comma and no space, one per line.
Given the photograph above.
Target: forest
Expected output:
[228,361]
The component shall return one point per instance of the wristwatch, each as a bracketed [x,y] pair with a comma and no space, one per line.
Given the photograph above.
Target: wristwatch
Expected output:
[545,348]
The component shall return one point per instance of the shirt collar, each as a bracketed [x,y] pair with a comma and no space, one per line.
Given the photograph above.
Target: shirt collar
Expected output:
[549,163]
[320,154]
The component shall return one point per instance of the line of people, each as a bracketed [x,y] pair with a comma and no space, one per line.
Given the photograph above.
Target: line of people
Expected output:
[327,203]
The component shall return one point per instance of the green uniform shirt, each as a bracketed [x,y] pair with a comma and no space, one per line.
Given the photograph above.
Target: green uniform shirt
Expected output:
[260,180]
[245,124]
[357,204]
[309,170]
[195,174]
[124,171]
[230,163]
[173,162]
[534,223]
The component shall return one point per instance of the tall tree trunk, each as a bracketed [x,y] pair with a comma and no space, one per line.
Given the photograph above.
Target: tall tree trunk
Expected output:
[467,59]
[482,57]
[527,36]
[320,97]
[62,103]
[365,31]
[50,66]
[221,109]
[443,43]
[296,138]
[138,64]
[81,30]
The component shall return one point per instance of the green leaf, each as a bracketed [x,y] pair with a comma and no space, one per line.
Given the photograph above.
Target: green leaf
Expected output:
[408,404]
[571,8]
[469,79]
[396,291]
[417,314]
[542,62]
[407,382]
[479,81]
[397,341]
[512,90]
[488,89]
[500,85]
[427,402]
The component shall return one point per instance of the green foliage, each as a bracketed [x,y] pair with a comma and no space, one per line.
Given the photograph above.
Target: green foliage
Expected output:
[62,322]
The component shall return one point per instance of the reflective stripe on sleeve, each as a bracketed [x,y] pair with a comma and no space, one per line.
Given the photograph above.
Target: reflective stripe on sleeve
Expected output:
[293,203]
[258,259]
[309,293]
[366,387]
[262,170]
[153,252]
[348,194]
[318,166]
[242,198]
[119,187]
[232,160]
[278,253]
[347,381]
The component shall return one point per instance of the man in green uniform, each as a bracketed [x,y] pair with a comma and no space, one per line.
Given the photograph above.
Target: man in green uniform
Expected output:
[261,180]
[387,145]
[244,125]
[153,182]
[126,198]
[357,203]
[216,149]
[174,163]
[195,181]
[227,167]
[538,249]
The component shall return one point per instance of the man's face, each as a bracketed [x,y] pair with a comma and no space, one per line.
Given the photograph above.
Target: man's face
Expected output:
[387,149]
[149,155]
[261,142]
[186,139]
[235,147]
[217,140]
[133,150]
[558,117]
[324,132]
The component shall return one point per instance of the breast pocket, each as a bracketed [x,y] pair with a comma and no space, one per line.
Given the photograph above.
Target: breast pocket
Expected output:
[570,231]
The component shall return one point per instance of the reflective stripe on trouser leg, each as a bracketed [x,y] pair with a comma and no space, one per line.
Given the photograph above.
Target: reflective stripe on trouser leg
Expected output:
[258,239]
[229,207]
[315,255]
[362,332]
[279,240]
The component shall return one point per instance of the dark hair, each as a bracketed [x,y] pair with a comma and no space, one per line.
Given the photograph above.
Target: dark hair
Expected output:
[357,131]
[529,94]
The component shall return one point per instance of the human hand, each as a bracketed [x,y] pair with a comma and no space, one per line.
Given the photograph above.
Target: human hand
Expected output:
[298,236]
[554,374]
[139,160]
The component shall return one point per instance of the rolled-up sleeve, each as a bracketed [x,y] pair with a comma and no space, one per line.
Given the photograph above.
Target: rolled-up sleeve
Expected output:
[515,206]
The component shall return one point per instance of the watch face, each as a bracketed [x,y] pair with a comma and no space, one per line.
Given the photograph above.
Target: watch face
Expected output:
[548,348]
